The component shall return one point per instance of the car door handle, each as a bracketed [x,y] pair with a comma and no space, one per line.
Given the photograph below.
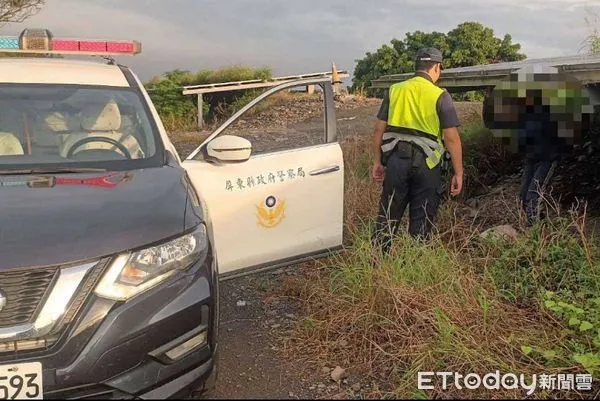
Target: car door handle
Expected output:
[325,170]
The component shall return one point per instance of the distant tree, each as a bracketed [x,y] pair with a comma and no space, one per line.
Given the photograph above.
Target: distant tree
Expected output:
[386,60]
[18,10]
[470,43]
[591,44]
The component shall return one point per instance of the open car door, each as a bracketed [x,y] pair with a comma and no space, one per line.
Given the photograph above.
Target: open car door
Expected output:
[274,209]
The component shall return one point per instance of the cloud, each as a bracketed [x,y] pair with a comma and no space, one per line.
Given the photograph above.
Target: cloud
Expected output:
[295,37]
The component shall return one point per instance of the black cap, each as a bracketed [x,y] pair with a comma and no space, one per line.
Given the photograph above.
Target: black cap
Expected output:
[429,54]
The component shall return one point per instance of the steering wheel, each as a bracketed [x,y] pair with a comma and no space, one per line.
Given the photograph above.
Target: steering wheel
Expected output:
[89,139]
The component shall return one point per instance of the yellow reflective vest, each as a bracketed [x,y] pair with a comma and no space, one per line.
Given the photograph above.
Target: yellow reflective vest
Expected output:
[413,107]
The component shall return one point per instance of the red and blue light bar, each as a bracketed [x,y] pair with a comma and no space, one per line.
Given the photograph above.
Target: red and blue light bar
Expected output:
[42,41]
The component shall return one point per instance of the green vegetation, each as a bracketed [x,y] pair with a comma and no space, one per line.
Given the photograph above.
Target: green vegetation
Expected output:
[460,302]
[549,257]
[592,42]
[581,321]
[179,112]
[470,43]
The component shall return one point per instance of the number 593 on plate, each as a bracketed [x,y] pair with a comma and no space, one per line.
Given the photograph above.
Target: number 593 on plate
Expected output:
[21,381]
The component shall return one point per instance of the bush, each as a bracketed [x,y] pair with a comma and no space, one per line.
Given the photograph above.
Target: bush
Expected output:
[581,342]
[180,112]
[552,256]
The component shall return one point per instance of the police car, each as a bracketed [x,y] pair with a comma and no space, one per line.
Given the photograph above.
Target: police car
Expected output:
[112,246]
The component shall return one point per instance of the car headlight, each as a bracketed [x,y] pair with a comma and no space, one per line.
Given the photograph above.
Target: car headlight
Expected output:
[135,272]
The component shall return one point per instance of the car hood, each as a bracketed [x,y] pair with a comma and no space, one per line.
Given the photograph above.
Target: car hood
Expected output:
[55,219]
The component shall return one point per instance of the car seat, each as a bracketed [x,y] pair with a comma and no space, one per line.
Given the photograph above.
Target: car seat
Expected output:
[102,120]
[10,145]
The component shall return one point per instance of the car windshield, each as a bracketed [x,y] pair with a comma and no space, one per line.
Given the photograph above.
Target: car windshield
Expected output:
[74,126]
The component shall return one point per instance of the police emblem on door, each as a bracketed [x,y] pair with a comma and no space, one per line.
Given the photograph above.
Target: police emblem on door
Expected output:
[270,212]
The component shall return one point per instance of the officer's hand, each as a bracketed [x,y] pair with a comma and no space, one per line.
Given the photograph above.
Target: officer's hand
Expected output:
[378,172]
[457,184]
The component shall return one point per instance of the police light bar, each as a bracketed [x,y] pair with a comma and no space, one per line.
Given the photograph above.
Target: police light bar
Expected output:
[42,41]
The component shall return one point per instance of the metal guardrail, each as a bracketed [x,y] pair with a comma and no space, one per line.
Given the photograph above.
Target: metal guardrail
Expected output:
[482,76]
[200,90]
[254,83]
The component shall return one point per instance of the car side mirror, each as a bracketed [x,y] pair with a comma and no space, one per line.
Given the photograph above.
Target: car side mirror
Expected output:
[229,149]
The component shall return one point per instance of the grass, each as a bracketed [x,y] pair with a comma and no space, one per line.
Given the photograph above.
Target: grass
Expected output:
[459,302]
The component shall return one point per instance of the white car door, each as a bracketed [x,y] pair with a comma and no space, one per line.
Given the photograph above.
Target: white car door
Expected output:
[273,209]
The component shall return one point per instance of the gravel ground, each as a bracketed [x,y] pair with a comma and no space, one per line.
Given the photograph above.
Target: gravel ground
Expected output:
[254,319]
[290,124]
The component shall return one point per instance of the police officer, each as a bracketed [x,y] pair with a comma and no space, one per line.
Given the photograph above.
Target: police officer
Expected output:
[415,125]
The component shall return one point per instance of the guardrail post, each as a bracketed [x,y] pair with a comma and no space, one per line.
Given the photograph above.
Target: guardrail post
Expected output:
[200,112]
[335,79]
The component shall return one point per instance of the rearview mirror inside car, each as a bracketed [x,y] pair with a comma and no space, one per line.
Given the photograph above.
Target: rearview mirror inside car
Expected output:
[229,149]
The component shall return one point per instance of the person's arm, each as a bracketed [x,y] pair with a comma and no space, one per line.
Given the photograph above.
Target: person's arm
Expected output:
[380,126]
[378,139]
[454,146]
[449,124]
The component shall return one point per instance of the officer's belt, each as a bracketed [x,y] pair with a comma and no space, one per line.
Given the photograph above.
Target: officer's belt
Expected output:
[429,146]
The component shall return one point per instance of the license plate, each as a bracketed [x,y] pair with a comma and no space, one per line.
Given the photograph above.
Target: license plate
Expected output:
[21,381]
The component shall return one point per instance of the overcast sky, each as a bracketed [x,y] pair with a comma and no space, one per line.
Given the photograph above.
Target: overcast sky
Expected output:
[300,36]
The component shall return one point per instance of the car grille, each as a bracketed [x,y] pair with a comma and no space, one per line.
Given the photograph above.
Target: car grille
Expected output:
[24,291]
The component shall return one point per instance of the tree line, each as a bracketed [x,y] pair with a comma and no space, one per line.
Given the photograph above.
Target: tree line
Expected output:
[470,43]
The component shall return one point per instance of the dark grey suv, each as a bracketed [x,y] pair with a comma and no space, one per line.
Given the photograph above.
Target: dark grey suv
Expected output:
[111,246]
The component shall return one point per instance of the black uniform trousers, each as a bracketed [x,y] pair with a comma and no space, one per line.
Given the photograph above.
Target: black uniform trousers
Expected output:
[408,181]
[536,177]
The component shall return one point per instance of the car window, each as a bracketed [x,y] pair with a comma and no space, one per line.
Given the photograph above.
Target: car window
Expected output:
[287,120]
[75,125]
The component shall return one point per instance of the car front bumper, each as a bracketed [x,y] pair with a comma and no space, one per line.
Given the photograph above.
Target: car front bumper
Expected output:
[118,350]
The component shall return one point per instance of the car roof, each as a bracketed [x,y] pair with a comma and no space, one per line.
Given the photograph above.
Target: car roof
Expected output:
[60,71]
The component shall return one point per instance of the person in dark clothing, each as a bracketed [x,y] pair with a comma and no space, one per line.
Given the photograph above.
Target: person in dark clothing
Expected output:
[552,116]
[541,147]
[416,122]
[488,108]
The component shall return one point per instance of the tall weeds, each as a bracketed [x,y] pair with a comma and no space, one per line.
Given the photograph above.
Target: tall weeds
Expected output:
[457,303]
